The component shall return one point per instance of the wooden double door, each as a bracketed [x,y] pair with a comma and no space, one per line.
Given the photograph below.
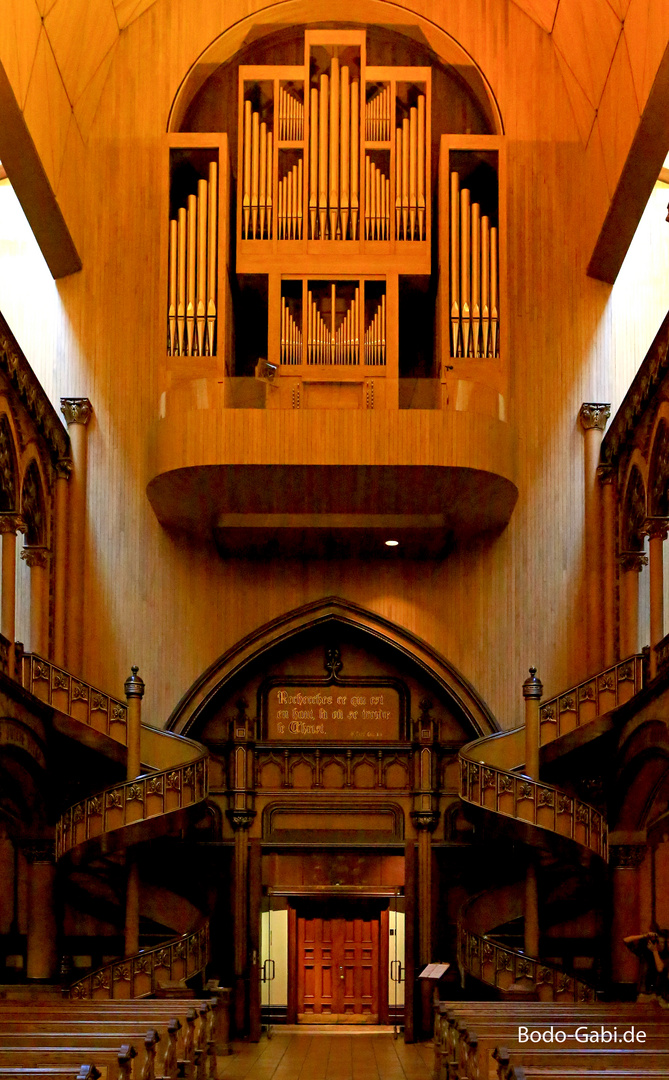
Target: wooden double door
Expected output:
[338,967]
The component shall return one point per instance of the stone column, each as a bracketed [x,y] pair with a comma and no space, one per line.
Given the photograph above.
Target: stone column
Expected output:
[60,544]
[593,417]
[606,478]
[532,691]
[631,565]
[10,524]
[77,413]
[134,692]
[656,528]
[42,928]
[37,558]
[625,860]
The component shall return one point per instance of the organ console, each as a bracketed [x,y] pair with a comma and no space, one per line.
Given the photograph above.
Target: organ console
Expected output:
[334,208]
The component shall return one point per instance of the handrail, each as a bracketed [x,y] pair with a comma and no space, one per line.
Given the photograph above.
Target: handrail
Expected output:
[514,795]
[151,795]
[499,966]
[74,697]
[138,975]
[591,698]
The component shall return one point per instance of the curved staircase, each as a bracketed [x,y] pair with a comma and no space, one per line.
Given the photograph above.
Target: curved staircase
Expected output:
[566,835]
[171,788]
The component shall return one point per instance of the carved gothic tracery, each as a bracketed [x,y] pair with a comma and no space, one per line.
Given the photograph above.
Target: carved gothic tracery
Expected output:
[7,468]
[658,494]
[32,507]
[634,513]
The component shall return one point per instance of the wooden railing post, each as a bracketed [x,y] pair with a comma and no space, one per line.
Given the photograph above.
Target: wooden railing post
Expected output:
[532,691]
[134,692]
[593,417]
[656,529]
[77,413]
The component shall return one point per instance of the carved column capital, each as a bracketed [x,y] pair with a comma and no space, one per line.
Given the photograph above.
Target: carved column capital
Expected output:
[63,468]
[39,851]
[11,523]
[627,856]
[241,819]
[633,560]
[76,410]
[594,415]
[425,819]
[35,556]
[656,528]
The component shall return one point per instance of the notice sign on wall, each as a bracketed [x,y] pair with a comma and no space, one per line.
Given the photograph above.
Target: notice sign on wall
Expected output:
[334,713]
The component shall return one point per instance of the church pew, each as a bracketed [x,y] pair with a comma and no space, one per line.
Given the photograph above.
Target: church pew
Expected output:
[460,1050]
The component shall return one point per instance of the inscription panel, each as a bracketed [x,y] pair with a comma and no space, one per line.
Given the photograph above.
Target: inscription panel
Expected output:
[333,713]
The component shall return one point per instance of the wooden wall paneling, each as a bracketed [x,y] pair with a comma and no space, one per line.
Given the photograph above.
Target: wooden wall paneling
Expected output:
[161,595]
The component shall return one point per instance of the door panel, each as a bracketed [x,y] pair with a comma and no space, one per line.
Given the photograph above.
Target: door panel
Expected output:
[337,970]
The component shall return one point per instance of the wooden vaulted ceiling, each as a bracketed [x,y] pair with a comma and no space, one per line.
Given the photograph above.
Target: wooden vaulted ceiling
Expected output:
[597,39]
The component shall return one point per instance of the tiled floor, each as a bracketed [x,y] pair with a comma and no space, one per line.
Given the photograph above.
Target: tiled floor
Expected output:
[307,1055]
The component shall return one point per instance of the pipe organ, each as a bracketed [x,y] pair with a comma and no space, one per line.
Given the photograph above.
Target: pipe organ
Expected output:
[334,233]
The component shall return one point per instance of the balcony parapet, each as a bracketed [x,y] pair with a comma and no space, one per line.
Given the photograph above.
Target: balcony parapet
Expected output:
[232,466]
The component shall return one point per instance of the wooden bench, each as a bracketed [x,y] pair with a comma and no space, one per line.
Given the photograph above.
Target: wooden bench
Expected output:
[466,1035]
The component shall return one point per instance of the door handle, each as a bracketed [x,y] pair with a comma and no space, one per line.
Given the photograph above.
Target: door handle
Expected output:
[268,971]
[396,971]
[341,971]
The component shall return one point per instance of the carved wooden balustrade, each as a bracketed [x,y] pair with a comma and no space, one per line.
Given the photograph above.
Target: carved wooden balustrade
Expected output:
[181,784]
[74,697]
[594,697]
[139,975]
[513,795]
[499,966]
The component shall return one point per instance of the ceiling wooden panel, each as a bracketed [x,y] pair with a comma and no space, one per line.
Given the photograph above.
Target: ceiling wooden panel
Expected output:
[20,27]
[587,34]
[620,7]
[86,106]
[542,11]
[618,114]
[646,31]
[81,33]
[45,6]
[584,114]
[47,110]
[129,10]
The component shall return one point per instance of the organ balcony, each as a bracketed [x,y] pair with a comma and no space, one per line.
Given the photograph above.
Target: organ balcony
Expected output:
[336,370]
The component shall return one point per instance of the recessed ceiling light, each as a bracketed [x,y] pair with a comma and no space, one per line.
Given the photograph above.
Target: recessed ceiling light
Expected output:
[392,543]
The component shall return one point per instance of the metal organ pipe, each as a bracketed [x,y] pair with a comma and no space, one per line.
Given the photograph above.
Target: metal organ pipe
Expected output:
[474,277]
[192,258]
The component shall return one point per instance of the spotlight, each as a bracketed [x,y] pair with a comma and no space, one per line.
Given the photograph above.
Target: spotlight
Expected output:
[392,543]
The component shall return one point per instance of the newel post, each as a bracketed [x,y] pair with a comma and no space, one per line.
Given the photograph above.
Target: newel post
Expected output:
[134,692]
[532,691]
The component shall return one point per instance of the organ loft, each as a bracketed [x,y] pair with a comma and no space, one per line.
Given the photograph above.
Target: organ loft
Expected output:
[334,473]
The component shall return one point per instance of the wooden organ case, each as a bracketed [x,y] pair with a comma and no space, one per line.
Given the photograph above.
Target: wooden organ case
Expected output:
[334,212]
